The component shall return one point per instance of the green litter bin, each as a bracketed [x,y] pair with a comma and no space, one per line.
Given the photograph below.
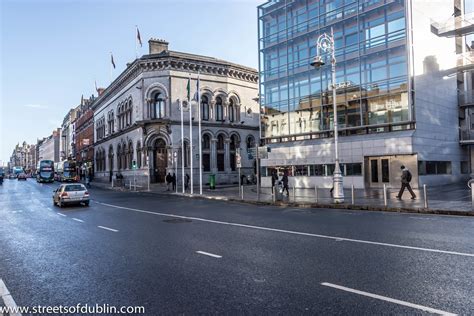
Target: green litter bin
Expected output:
[212,181]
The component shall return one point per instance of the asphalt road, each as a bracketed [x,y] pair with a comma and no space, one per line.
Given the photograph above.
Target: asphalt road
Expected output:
[176,255]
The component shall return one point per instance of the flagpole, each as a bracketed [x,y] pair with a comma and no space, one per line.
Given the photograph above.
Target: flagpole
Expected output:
[191,134]
[200,134]
[111,56]
[136,46]
[182,144]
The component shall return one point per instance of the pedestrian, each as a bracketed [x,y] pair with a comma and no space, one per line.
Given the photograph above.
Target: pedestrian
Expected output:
[168,181]
[173,180]
[284,179]
[274,179]
[186,181]
[406,179]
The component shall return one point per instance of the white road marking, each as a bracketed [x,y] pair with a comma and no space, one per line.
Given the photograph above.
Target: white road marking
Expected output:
[61,214]
[208,254]
[388,299]
[293,232]
[7,298]
[107,228]
[49,209]
[77,220]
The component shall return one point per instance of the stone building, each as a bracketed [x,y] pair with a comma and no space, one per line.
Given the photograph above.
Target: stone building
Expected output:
[84,137]
[138,118]
[49,147]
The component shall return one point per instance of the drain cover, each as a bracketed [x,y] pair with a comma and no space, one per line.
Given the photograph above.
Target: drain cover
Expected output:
[177,220]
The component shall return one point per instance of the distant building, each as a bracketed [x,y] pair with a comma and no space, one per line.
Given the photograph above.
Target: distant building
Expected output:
[394,105]
[24,156]
[137,118]
[84,137]
[49,147]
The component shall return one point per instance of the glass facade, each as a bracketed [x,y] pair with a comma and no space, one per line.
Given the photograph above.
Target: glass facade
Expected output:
[371,69]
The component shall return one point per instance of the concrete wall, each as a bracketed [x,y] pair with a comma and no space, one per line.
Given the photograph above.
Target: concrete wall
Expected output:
[435,99]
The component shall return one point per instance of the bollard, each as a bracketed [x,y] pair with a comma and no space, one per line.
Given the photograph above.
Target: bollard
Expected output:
[385,194]
[472,195]
[316,192]
[424,196]
[242,191]
[130,184]
[294,194]
[353,197]
[112,182]
[274,193]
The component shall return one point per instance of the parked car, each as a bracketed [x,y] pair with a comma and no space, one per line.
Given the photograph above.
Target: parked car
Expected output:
[21,176]
[11,176]
[74,193]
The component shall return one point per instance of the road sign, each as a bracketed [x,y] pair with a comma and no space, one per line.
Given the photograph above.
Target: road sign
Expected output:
[238,161]
[263,152]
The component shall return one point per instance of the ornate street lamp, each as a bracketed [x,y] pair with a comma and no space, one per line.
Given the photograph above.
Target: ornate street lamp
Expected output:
[325,43]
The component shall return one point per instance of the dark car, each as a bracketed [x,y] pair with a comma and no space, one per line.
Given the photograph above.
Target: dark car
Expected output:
[22,176]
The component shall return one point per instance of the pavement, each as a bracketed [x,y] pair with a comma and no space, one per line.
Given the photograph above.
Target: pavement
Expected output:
[175,255]
[453,199]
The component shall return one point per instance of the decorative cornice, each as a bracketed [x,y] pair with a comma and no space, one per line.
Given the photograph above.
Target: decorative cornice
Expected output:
[178,62]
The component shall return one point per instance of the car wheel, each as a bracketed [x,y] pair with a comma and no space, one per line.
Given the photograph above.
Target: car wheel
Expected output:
[86,203]
[60,204]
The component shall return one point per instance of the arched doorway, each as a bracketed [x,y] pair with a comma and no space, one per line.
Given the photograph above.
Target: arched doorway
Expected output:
[160,161]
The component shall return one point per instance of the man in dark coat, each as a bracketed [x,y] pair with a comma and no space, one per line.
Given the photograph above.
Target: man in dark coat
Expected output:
[406,178]
[168,181]
[284,179]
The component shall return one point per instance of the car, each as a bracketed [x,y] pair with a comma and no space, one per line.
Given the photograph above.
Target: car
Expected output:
[74,193]
[21,176]
[11,176]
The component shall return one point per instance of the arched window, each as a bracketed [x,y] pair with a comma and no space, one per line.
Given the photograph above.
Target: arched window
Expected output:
[119,157]
[157,106]
[231,110]
[130,155]
[111,158]
[139,155]
[220,153]
[205,108]
[129,112]
[250,142]
[232,150]
[206,152]
[219,109]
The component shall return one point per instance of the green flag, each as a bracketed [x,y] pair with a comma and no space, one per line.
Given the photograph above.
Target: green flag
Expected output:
[188,88]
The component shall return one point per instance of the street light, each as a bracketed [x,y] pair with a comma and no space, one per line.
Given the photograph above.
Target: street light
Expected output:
[325,43]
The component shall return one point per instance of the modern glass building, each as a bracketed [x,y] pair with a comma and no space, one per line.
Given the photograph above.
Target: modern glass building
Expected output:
[393,105]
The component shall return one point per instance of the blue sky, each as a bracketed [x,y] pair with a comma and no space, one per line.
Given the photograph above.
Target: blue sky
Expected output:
[52,51]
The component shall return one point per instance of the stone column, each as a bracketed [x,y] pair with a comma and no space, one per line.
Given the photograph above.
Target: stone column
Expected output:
[227,155]
[214,155]
[212,111]
[226,111]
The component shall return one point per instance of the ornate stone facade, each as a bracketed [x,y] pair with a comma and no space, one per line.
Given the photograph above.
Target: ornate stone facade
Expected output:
[138,118]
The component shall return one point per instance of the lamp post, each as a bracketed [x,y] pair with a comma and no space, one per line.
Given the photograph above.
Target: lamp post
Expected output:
[325,43]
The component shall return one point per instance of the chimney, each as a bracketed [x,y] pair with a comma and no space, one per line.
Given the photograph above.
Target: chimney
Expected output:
[157,46]
[100,91]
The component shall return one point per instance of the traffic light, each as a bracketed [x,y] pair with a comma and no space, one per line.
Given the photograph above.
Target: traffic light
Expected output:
[134,164]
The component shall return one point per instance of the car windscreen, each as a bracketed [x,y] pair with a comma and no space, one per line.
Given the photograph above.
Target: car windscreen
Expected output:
[74,187]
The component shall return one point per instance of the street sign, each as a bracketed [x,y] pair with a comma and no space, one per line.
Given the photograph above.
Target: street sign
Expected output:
[263,152]
[238,159]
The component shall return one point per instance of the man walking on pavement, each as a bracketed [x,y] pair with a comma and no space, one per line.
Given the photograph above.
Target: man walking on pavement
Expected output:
[168,181]
[284,179]
[406,178]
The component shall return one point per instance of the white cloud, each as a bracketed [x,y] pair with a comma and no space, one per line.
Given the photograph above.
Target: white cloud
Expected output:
[36,106]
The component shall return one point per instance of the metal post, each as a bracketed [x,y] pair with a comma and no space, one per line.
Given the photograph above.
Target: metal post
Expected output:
[242,191]
[191,158]
[112,182]
[316,192]
[352,193]
[472,195]
[240,182]
[274,188]
[294,194]
[258,167]
[425,196]
[385,194]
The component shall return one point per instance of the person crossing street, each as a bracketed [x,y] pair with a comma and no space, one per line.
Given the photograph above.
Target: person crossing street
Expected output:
[406,179]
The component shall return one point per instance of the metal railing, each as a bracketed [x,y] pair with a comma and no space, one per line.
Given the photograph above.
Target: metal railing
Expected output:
[460,25]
